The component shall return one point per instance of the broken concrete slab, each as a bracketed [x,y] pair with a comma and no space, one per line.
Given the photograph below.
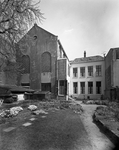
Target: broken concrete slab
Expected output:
[37,112]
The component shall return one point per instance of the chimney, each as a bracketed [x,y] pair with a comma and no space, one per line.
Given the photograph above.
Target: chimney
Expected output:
[84,54]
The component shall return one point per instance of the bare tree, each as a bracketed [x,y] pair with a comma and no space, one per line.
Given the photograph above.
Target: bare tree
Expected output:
[16,16]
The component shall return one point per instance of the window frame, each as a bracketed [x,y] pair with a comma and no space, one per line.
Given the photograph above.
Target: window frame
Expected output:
[75,73]
[61,88]
[26,64]
[98,88]
[82,88]
[75,88]
[98,70]
[90,87]
[82,71]
[90,71]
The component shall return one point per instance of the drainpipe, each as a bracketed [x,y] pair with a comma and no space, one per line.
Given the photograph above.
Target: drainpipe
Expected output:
[57,70]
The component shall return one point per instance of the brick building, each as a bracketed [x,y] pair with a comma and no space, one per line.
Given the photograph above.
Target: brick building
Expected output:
[44,62]
[112,74]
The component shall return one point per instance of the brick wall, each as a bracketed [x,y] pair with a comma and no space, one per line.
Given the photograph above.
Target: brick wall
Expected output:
[38,42]
[61,69]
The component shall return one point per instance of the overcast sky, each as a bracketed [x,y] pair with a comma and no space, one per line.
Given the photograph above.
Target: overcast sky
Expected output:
[83,25]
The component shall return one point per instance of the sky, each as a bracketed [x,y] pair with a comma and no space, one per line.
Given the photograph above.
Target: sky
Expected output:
[82,25]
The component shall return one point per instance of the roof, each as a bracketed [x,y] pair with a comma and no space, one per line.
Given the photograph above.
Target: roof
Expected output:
[63,49]
[14,88]
[41,92]
[87,59]
[35,25]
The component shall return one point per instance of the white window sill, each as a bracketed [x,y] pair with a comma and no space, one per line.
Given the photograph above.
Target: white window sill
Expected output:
[82,76]
[99,76]
[90,76]
[61,95]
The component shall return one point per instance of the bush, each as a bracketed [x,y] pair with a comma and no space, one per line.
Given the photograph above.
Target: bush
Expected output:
[76,107]
[117,115]
[64,104]
[8,100]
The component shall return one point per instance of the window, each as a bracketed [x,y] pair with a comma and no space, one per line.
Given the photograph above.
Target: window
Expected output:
[46,62]
[90,87]
[26,64]
[62,87]
[98,70]
[26,85]
[90,70]
[68,70]
[75,87]
[46,86]
[82,71]
[98,87]
[117,54]
[64,56]
[75,72]
[82,87]
[60,52]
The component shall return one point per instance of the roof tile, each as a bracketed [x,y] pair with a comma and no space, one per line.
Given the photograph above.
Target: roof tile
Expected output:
[87,59]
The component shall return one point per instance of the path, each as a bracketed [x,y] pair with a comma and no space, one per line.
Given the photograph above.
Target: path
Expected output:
[99,140]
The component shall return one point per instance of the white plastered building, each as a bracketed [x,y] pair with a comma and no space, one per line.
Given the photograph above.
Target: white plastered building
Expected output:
[87,77]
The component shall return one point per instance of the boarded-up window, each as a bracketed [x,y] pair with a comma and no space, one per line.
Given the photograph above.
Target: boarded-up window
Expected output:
[62,87]
[46,62]
[26,64]
[46,86]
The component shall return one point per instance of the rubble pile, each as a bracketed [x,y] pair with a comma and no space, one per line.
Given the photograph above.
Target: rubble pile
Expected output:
[76,108]
[64,104]
[11,112]
[37,112]
[49,105]
[32,107]
[1,102]
[97,102]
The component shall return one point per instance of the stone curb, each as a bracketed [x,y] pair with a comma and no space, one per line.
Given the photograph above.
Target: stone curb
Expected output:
[109,133]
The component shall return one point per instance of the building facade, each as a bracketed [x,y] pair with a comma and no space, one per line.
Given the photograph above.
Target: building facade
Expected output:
[112,74]
[87,77]
[44,66]
[44,63]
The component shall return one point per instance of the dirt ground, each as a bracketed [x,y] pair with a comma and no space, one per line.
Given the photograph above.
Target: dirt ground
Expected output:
[57,129]
[99,140]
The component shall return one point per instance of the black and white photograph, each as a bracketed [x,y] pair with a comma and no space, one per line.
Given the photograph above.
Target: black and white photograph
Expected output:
[59,74]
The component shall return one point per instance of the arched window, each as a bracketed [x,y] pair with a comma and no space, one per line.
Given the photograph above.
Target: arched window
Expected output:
[26,64]
[46,62]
